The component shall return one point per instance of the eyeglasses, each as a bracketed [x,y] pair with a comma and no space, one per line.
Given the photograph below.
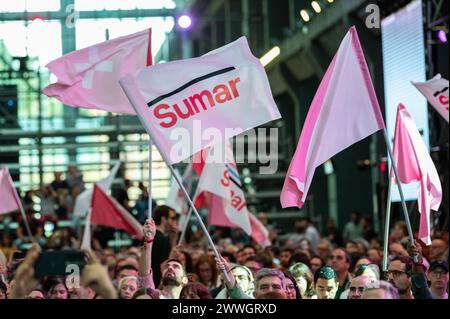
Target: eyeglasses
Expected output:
[438,272]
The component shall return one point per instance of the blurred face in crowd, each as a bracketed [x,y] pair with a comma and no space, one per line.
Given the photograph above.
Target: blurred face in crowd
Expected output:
[128,288]
[243,279]
[248,252]
[36,294]
[285,257]
[362,261]
[374,255]
[127,273]
[351,248]
[254,267]
[438,278]
[316,263]
[338,261]
[269,284]
[302,284]
[290,289]
[205,272]
[398,277]
[58,291]
[323,250]
[172,221]
[376,294]
[173,274]
[326,288]
[438,249]
[357,287]
[189,294]
[128,261]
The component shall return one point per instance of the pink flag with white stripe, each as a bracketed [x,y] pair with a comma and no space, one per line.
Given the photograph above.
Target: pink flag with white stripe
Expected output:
[9,199]
[89,77]
[414,163]
[344,111]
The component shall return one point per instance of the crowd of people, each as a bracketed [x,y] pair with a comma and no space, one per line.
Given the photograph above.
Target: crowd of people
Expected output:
[304,264]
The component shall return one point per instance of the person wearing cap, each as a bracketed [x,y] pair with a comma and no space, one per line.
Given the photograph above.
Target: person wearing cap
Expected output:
[438,277]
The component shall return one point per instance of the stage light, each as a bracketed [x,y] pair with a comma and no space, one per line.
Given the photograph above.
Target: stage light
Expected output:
[330,1]
[184,21]
[305,16]
[269,56]
[316,6]
[442,36]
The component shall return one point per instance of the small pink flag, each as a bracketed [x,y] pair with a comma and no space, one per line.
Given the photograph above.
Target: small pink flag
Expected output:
[414,163]
[106,211]
[89,77]
[344,111]
[260,233]
[9,199]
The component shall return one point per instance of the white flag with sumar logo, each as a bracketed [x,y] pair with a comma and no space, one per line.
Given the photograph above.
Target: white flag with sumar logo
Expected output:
[436,92]
[220,188]
[190,104]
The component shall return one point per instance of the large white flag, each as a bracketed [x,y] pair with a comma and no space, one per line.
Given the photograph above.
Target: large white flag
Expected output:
[190,104]
[221,186]
[436,92]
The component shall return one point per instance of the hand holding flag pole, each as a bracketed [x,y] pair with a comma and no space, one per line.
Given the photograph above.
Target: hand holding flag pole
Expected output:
[177,179]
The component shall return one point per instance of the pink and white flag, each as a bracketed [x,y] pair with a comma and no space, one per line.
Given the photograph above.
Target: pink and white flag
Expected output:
[414,163]
[260,233]
[184,105]
[436,92]
[89,77]
[9,199]
[220,188]
[344,111]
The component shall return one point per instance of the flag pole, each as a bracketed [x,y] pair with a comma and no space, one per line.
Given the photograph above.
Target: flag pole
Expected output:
[185,226]
[25,221]
[150,165]
[400,189]
[386,226]
[86,239]
[180,183]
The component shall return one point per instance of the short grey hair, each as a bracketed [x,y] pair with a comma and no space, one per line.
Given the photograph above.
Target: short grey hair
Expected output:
[386,286]
[269,272]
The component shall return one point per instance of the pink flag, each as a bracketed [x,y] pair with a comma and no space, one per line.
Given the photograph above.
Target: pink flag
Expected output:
[344,111]
[89,77]
[106,211]
[260,233]
[9,199]
[415,164]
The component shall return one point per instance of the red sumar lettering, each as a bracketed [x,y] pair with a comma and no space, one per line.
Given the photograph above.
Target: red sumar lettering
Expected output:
[196,103]
[236,201]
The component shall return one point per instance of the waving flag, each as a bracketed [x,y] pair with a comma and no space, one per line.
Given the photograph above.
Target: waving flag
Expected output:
[106,211]
[415,164]
[226,92]
[436,92]
[9,199]
[89,77]
[259,232]
[344,111]
[220,188]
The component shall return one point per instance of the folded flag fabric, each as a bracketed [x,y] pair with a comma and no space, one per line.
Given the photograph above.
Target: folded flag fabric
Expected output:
[9,199]
[89,77]
[344,111]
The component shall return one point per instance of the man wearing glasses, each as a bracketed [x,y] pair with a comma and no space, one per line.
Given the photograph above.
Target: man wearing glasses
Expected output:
[399,275]
[438,277]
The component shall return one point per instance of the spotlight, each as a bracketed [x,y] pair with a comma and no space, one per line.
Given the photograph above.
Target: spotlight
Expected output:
[316,7]
[184,21]
[269,56]
[442,36]
[305,16]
